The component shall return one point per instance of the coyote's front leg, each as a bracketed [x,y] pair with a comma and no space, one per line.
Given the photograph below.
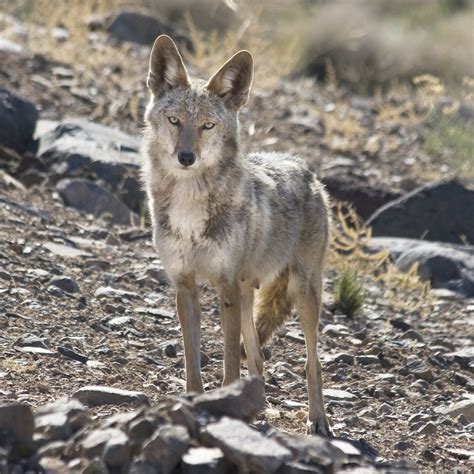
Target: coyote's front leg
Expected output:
[189,313]
[230,317]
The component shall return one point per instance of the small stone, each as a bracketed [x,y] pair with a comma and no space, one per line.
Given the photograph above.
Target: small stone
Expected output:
[101,395]
[339,395]
[65,284]
[367,360]
[247,448]
[243,399]
[167,446]
[412,334]
[335,330]
[399,323]
[384,409]
[428,429]
[340,358]
[403,445]
[108,292]
[172,349]
[117,451]
[53,465]
[421,371]
[464,407]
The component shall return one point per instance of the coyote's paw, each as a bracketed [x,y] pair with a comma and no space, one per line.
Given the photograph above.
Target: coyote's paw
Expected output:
[320,427]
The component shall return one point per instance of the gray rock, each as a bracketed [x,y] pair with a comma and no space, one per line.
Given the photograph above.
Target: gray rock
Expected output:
[464,407]
[247,448]
[445,265]
[313,448]
[117,451]
[89,197]
[243,399]
[17,421]
[464,357]
[335,330]
[339,395]
[75,143]
[403,445]
[18,119]
[93,444]
[166,447]
[365,199]
[78,148]
[203,461]
[428,429]
[67,284]
[60,419]
[109,292]
[340,358]
[367,360]
[384,409]
[135,26]
[94,395]
[440,211]
[421,370]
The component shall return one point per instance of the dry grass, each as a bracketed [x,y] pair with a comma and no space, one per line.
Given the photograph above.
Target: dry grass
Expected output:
[350,249]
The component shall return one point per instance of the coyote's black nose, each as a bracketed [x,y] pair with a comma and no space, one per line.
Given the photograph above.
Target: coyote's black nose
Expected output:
[186,158]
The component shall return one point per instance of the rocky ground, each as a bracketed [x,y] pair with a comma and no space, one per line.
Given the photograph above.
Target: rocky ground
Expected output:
[85,301]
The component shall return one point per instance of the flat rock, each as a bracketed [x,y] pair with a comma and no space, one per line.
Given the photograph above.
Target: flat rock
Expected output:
[339,395]
[109,292]
[440,211]
[89,197]
[101,395]
[444,265]
[67,284]
[243,399]
[464,407]
[314,448]
[247,448]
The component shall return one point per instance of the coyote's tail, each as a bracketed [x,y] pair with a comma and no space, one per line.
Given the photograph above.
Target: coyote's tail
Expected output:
[273,307]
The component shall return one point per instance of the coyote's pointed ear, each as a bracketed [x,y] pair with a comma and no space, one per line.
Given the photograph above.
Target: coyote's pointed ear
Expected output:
[166,67]
[233,80]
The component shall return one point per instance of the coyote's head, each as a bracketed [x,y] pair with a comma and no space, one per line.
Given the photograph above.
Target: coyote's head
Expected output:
[193,123]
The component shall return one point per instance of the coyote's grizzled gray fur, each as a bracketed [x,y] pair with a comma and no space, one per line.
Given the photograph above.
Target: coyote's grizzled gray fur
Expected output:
[244,223]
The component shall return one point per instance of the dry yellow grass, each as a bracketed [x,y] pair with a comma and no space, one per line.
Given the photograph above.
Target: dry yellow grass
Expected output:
[349,249]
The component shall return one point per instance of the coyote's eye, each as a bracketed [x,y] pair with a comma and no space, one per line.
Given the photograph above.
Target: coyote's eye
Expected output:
[209,125]
[173,120]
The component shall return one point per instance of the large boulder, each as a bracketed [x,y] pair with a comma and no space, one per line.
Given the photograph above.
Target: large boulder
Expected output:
[364,198]
[141,27]
[78,148]
[18,119]
[441,211]
[444,265]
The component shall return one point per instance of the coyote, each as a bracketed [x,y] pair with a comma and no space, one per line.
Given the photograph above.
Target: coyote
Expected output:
[255,226]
